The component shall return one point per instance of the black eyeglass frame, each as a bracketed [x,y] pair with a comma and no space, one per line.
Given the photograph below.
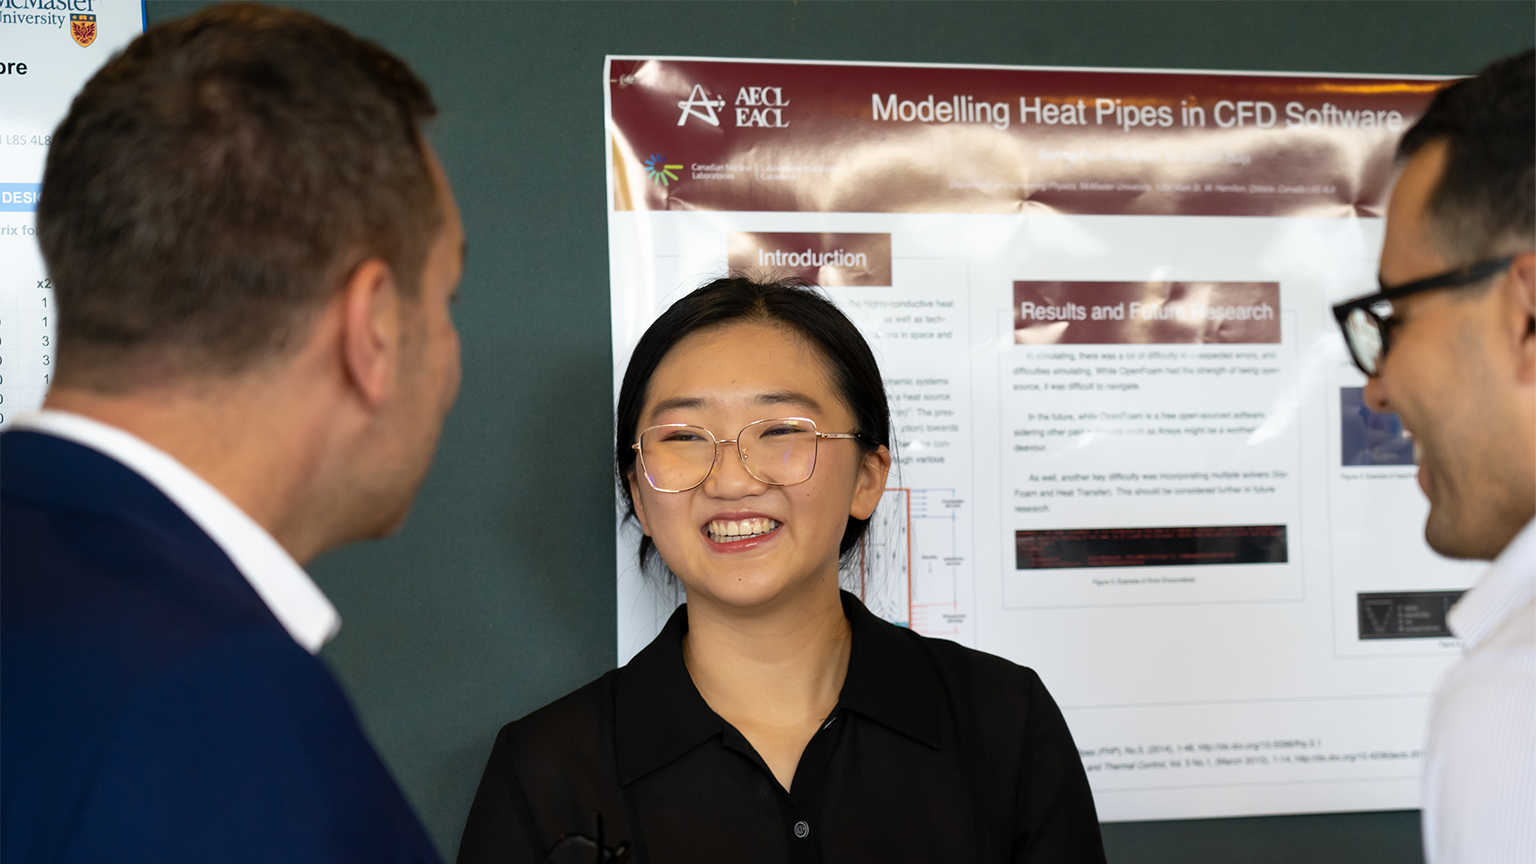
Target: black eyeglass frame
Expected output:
[1457,278]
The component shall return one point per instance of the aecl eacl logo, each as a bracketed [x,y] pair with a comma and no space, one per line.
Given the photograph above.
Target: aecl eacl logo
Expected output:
[761,107]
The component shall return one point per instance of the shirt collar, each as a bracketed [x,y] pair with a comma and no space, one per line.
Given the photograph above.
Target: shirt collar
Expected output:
[292,596]
[1504,590]
[891,678]
[659,714]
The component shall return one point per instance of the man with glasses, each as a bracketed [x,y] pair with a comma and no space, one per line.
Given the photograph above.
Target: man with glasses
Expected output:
[1449,345]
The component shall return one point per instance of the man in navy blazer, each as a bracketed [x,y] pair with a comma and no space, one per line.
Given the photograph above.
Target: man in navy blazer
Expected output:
[253,250]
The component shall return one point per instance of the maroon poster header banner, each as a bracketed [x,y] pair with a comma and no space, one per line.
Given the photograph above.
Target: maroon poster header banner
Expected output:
[808,137]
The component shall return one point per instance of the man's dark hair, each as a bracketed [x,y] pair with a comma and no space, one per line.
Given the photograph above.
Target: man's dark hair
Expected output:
[217,181]
[788,303]
[1485,203]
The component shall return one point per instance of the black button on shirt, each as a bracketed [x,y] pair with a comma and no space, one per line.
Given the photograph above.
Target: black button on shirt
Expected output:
[935,753]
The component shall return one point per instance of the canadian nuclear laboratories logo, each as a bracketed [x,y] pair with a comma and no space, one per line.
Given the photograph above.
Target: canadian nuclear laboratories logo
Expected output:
[660,172]
[698,104]
[83,29]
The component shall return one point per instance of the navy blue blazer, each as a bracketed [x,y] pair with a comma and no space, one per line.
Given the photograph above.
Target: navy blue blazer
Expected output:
[151,707]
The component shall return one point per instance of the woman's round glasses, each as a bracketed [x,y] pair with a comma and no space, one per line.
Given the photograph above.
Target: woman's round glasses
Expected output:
[676,457]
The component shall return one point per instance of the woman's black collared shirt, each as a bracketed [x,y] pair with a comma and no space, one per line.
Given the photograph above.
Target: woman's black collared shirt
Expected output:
[935,753]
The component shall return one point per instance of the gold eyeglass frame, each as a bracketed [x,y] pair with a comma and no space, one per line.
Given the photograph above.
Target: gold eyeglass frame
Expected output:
[740,454]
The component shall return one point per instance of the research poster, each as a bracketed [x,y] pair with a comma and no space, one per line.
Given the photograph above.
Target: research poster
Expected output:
[48,49]
[1131,451]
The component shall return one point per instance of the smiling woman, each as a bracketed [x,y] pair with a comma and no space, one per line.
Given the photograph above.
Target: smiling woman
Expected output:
[776,719]
[804,339]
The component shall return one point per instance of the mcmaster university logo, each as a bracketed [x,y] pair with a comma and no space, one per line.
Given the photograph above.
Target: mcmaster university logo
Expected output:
[698,104]
[83,28]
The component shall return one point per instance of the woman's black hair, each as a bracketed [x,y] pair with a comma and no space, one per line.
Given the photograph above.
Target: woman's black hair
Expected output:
[790,303]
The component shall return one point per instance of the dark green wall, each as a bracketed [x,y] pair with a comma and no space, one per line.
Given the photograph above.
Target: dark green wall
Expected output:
[498,596]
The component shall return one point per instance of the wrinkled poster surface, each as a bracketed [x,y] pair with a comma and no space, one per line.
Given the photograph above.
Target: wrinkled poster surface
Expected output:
[1132,453]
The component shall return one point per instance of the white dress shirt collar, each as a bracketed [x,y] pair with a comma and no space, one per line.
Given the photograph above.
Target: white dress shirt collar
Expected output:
[1505,589]
[294,598]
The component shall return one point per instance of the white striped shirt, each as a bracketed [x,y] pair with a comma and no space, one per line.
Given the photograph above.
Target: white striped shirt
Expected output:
[1480,763]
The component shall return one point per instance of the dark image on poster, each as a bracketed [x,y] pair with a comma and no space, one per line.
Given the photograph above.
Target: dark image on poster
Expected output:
[1406,614]
[1150,547]
[1369,438]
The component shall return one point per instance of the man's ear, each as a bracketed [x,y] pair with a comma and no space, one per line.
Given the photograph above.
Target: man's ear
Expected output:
[1522,315]
[370,330]
[874,468]
[634,495]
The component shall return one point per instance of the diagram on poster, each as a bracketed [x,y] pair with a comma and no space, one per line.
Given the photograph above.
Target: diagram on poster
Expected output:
[1131,451]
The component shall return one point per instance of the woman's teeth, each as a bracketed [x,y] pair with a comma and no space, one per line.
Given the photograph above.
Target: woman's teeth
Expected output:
[730,531]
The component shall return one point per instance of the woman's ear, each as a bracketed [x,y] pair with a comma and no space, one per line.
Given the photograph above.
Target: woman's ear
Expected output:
[634,496]
[873,471]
